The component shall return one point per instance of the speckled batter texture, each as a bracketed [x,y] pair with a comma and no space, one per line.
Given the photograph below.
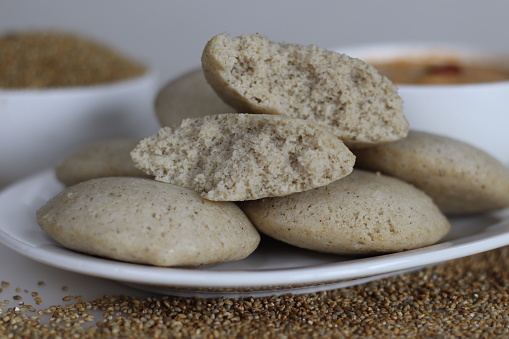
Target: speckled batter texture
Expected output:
[363,213]
[149,222]
[188,96]
[105,158]
[460,178]
[237,157]
[255,75]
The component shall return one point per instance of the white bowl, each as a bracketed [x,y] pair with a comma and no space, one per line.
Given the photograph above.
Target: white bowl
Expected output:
[475,113]
[40,127]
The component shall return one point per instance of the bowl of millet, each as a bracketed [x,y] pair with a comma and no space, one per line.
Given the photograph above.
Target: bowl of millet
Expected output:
[59,91]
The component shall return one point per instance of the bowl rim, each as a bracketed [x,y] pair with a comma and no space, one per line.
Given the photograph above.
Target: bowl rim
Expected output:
[391,50]
[149,76]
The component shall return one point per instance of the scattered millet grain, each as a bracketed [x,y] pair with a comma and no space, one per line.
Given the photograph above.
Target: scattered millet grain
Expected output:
[54,59]
[467,297]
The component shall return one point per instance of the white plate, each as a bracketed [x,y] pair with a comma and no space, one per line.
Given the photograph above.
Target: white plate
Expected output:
[274,268]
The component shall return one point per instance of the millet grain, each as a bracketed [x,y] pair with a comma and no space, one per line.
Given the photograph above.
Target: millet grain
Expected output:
[53,59]
[467,297]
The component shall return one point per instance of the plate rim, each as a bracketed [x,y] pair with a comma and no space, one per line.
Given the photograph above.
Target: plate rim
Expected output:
[494,236]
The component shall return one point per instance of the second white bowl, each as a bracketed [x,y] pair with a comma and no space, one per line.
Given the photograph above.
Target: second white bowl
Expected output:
[476,113]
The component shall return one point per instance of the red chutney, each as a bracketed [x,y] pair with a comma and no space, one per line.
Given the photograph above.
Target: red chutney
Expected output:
[439,72]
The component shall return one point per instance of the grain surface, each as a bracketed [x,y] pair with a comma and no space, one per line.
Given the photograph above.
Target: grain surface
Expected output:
[55,59]
[463,298]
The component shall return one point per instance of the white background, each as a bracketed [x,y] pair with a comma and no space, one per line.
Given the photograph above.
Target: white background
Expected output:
[170,35]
